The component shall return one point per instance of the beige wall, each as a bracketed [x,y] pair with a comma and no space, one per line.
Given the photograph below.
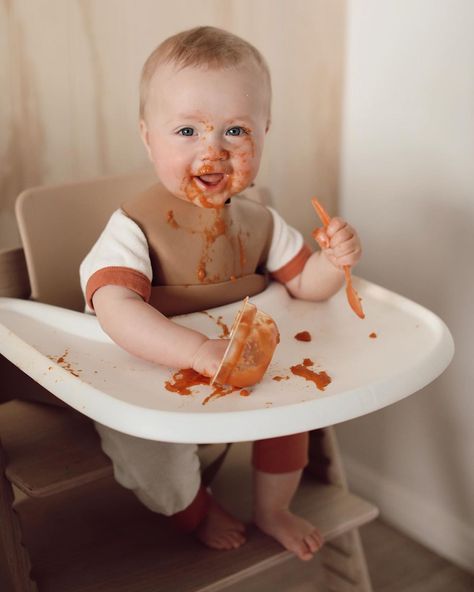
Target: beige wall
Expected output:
[408,185]
[69,72]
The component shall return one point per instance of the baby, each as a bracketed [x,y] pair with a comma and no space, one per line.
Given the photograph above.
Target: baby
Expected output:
[192,242]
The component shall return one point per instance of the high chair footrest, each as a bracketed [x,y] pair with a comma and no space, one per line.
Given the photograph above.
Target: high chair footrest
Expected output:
[49,449]
[99,538]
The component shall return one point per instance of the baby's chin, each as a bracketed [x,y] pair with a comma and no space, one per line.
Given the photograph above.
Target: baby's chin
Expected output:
[209,197]
[195,192]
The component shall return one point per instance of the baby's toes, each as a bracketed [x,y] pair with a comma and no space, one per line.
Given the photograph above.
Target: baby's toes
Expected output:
[220,543]
[314,541]
[301,550]
[240,526]
[236,539]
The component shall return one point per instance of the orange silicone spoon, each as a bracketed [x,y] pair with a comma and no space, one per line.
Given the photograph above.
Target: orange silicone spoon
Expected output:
[351,293]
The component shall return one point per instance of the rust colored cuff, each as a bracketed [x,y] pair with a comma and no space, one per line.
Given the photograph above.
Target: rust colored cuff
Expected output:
[191,517]
[281,455]
[294,267]
[118,276]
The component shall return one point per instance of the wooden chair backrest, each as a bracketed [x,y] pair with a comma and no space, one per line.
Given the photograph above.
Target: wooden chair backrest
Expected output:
[59,224]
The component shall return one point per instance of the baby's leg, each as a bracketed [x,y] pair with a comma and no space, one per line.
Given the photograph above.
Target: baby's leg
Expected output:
[166,479]
[278,464]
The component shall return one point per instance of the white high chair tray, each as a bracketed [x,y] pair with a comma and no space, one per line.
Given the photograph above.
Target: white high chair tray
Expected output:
[68,353]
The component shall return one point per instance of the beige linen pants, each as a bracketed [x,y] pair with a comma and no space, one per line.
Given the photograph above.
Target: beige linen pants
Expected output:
[164,476]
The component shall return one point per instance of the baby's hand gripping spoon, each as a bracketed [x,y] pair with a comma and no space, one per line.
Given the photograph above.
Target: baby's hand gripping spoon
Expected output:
[351,293]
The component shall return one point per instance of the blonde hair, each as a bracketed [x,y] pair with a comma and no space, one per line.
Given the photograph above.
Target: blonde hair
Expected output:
[201,46]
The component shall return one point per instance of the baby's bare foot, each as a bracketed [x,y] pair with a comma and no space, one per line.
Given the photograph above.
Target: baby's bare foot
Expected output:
[294,533]
[220,530]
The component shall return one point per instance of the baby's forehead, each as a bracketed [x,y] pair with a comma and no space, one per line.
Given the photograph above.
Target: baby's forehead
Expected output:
[178,84]
[168,70]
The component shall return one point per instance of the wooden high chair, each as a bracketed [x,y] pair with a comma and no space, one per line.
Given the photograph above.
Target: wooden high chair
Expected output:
[65,524]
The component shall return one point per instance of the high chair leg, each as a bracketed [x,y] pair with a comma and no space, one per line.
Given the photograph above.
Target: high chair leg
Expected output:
[342,558]
[14,558]
[344,565]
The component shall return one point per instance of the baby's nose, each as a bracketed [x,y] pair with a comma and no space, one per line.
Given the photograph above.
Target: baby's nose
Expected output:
[214,152]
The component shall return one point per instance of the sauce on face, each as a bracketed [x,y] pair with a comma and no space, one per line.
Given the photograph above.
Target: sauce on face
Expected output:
[235,182]
[280,378]
[194,193]
[320,379]
[373,335]
[303,336]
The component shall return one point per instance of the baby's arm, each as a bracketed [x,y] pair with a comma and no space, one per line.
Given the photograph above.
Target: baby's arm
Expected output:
[323,274]
[144,332]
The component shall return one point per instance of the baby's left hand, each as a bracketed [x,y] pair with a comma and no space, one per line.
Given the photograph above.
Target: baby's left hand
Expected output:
[340,243]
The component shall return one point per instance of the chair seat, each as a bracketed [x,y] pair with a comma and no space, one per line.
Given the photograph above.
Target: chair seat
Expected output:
[111,543]
[49,449]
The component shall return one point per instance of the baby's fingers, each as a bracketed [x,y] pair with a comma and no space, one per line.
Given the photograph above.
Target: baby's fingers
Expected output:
[345,247]
[343,234]
[348,253]
[321,237]
[335,226]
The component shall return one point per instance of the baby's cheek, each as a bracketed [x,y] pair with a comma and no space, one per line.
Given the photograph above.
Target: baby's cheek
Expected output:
[239,181]
[244,171]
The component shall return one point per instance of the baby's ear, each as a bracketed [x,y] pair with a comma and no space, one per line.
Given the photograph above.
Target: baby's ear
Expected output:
[144,136]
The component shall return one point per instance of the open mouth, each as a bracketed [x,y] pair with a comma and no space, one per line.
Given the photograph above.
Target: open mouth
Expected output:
[211,180]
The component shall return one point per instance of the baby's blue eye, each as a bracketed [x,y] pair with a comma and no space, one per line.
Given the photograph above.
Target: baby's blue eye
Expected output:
[186,131]
[236,131]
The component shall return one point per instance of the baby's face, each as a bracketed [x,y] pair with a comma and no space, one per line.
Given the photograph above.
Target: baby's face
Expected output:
[205,129]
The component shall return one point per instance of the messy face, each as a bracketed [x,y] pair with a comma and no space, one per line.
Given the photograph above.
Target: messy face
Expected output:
[204,130]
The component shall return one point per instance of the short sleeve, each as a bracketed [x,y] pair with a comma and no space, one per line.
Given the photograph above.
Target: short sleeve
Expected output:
[288,252]
[119,257]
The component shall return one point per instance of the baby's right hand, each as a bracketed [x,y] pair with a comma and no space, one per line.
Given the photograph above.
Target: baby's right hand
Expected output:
[209,355]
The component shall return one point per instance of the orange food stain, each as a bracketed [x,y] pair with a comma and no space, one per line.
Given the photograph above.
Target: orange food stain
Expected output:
[280,378]
[219,391]
[61,360]
[320,379]
[303,336]
[244,393]
[209,127]
[224,327]
[210,235]
[220,323]
[206,169]
[242,257]
[184,379]
[373,335]
[194,193]
[201,274]
[250,144]
[171,220]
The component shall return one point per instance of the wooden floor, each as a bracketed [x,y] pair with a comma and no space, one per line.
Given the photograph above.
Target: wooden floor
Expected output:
[396,564]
